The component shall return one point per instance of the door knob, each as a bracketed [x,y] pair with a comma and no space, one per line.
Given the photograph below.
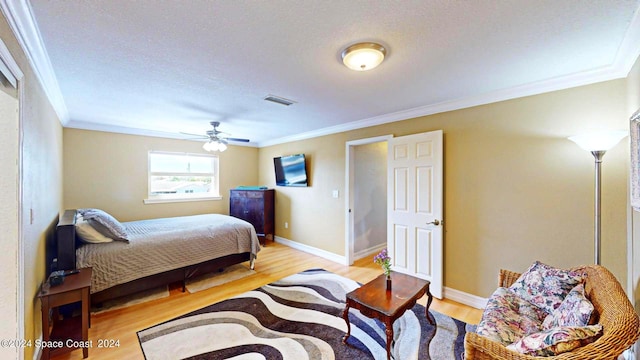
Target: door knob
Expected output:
[434,222]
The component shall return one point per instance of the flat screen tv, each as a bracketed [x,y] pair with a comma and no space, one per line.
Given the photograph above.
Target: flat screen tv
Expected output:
[290,170]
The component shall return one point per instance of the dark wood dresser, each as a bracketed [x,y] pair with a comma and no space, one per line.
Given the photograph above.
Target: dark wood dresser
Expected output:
[256,207]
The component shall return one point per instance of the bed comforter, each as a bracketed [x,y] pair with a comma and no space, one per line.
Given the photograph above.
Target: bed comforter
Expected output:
[159,245]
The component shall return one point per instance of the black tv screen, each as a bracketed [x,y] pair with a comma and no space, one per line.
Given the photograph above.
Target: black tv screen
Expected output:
[290,170]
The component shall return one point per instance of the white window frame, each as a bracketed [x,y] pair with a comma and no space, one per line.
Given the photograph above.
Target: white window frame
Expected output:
[213,194]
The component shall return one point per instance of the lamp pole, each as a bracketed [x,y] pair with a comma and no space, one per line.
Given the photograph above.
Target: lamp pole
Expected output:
[598,196]
[598,143]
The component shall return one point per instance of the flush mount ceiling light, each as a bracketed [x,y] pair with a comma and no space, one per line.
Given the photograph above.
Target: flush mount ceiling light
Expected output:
[363,56]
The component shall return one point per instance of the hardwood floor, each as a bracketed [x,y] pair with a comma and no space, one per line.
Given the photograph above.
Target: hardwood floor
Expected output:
[274,262]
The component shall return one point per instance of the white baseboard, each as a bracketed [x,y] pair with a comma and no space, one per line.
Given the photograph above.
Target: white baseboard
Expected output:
[311,250]
[449,293]
[370,251]
[465,298]
[38,352]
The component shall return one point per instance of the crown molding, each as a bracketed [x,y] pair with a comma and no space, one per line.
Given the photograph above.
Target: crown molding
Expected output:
[21,21]
[93,126]
[629,49]
[628,53]
[554,84]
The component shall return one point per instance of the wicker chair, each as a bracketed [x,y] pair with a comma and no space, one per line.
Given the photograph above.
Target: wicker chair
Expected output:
[619,321]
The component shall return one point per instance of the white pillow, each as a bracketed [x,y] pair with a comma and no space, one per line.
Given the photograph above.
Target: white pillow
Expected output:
[88,234]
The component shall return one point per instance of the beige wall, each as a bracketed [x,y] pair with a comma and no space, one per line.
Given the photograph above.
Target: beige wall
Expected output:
[516,190]
[41,187]
[109,171]
[633,86]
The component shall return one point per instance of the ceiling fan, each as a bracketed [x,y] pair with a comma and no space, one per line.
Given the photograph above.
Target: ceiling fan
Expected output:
[216,139]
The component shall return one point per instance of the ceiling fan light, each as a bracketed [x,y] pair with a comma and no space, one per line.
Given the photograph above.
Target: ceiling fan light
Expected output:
[222,147]
[363,56]
[211,146]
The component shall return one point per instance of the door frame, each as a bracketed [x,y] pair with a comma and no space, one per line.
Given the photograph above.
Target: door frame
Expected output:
[349,237]
[14,69]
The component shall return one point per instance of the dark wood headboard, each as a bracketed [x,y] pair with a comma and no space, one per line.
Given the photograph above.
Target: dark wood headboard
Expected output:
[66,240]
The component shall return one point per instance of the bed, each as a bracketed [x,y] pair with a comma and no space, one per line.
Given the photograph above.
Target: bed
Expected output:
[140,255]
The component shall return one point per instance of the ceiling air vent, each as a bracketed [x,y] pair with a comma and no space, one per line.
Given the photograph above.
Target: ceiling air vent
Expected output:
[279,100]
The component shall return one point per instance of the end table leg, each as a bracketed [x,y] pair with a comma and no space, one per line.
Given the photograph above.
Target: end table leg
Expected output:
[345,316]
[429,300]
[85,320]
[389,332]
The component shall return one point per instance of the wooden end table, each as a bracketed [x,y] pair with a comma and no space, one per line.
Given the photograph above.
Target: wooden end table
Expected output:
[374,301]
[70,333]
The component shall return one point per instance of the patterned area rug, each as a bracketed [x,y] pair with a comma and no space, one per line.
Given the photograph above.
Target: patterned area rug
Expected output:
[299,317]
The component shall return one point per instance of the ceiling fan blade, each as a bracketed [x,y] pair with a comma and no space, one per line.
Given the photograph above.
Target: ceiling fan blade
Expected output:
[196,138]
[198,135]
[238,140]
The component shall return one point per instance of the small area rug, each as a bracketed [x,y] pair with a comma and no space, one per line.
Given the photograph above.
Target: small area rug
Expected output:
[199,283]
[210,280]
[133,299]
[300,317]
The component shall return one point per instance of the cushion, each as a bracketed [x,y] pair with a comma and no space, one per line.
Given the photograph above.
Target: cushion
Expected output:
[557,340]
[546,286]
[575,310]
[88,234]
[105,224]
[507,317]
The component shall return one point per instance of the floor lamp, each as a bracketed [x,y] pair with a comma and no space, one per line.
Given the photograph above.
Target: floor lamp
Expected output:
[598,143]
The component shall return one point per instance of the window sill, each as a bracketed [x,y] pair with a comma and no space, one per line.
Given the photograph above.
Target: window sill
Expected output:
[169,200]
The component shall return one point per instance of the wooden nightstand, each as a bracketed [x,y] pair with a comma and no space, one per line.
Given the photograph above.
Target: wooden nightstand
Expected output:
[64,335]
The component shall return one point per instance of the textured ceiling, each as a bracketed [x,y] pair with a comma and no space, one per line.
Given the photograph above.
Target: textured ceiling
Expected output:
[165,67]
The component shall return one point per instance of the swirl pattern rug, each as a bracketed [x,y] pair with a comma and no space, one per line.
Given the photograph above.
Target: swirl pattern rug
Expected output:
[300,317]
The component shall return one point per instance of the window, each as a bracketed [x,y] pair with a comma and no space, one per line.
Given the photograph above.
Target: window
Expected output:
[182,177]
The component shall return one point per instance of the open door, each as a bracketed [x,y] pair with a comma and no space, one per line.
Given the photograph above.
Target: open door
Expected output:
[414,203]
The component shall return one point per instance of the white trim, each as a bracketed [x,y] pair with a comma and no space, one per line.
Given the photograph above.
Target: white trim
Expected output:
[21,20]
[540,87]
[449,293]
[9,64]
[629,49]
[311,250]
[22,23]
[348,198]
[370,140]
[86,125]
[177,200]
[368,252]
[21,242]
[7,58]
[37,353]
[465,298]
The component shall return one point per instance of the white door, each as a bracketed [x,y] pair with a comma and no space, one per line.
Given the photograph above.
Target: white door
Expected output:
[414,203]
